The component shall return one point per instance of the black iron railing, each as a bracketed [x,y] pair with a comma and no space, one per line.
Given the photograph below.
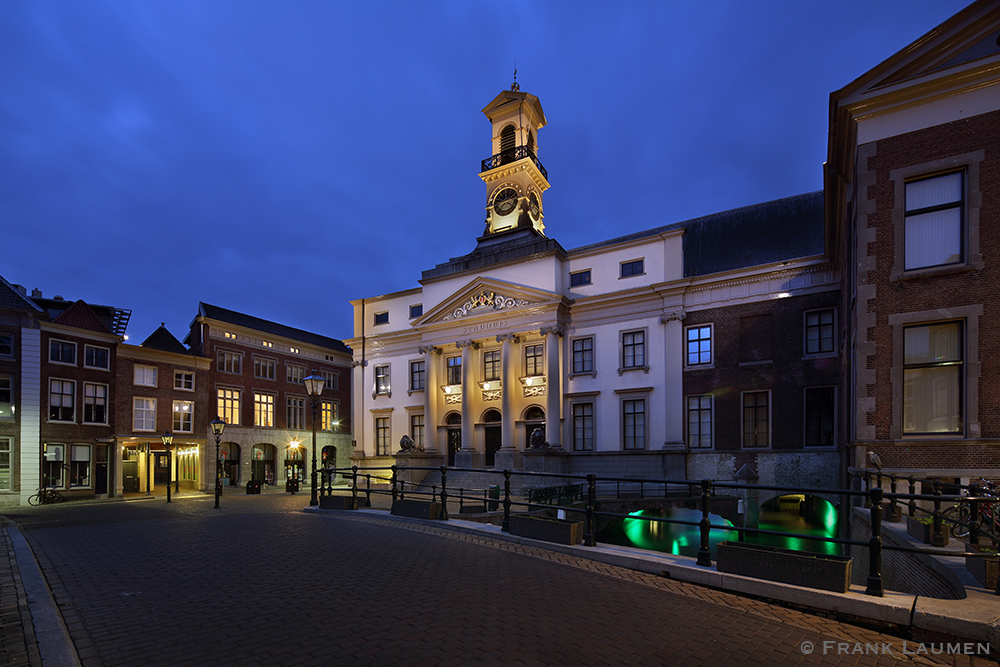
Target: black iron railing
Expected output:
[513,155]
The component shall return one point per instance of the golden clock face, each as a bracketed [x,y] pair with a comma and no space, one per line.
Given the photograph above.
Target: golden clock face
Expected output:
[505,201]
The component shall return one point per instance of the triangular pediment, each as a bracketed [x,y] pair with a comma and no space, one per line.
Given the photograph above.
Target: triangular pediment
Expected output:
[515,99]
[487,298]
[80,316]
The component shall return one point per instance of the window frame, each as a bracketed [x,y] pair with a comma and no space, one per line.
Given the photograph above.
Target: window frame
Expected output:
[418,376]
[382,434]
[263,409]
[295,373]
[54,464]
[958,206]
[329,415]
[8,393]
[417,430]
[178,425]
[146,412]
[10,345]
[416,310]
[627,269]
[144,368]
[63,346]
[575,354]
[710,326]
[6,468]
[295,413]
[806,327]
[383,371]
[768,420]
[107,357]
[86,403]
[633,401]
[229,361]
[582,443]
[64,383]
[331,380]
[700,410]
[380,318]
[580,278]
[537,357]
[492,365]
[180,379]
[228,407]
[958,365]
[451,369]
[265,368]
[623,347]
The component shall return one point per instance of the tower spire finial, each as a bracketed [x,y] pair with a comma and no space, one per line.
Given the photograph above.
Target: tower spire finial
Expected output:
[514,85]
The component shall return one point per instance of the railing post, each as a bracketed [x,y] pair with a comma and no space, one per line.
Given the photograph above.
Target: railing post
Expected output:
[875,546]
[894,513]
[444,493]
[938,538]
[868,488]
[505,527]
[368,489]
[402,489]
[912,505]
[354,486]
[974,515]
[590,536]
[704,555]
[393,481]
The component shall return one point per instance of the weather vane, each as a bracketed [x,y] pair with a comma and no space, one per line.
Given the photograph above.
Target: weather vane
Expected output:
[514,85]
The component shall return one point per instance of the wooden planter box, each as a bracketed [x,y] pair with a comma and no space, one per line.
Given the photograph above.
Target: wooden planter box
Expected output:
[560,531]
[798,568]
[416,509]
[337,503]
[924,532]
[983,569]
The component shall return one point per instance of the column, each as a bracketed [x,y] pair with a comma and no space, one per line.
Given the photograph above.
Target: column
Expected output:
[673,395]
[359,416]
[553,386]
[432,389]
[508,378]
[468,389]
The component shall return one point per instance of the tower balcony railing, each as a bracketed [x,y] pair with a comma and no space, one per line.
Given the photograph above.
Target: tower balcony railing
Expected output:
[513,155]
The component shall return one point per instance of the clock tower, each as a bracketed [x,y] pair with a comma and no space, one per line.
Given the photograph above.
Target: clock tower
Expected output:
[515,178]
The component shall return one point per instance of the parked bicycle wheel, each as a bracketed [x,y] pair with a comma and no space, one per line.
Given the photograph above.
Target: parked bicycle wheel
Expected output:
[964,517]
[36,499]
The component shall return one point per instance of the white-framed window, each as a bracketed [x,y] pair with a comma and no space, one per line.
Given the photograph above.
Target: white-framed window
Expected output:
[144,376]
[62,406]
[583,427]
[5,464]
[53,465]
[756,419]
[296,413]
[295,374]
[418,376]
[6,397]
[96,357]
[633,349]
[633,423]
[228,405]
[417,429]
[534,360]
[933,226]
[331,380]
[416,311]
[184,380]
[183,416]
[382,318]
[382,380]
[79,466]
[932,378]
[6,344]
[699,422]
[143,414]
[329,419]
[635,267]
[819,328]
[583,355]
[263,368]
[62,352]
[820,416]
[263,409]
[698,345]
[382,436]
[230,362]
[579,278]
[95,403]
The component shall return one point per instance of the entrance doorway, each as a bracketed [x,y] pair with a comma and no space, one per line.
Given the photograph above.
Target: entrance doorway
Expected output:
[454,423]
[230,453]
[101,470]
[534,418]
[493,437]
[130,476]
[262,463]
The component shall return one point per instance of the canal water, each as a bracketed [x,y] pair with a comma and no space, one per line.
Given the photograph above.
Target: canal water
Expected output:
[685,540]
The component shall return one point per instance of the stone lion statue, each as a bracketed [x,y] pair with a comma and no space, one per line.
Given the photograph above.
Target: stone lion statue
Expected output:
[537,440]
[406,445]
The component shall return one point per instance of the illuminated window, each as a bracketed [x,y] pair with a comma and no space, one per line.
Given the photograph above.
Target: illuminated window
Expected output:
[183,417]
[263,410]
[381,379]
[328,416]
[229,406]
[6,397]
[932,378]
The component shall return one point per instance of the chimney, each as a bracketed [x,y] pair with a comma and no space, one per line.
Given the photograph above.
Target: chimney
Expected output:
[36,293]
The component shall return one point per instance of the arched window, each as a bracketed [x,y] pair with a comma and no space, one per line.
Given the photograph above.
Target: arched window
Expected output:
[534,413]
[492,416]
[454,419]
[508,138]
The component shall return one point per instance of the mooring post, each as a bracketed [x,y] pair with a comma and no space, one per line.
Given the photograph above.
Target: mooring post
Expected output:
[505,527]
[875,546]
[912,506]
[354,486]
[444,493]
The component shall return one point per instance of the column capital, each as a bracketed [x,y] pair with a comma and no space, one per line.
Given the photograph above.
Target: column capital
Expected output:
[556,330]
[429,349]
[467,343]
[511,337]
[671,315]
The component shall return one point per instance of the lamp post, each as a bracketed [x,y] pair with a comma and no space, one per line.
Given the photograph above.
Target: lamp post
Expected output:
[168,440]
[218,426]
[314,385]
[292,483]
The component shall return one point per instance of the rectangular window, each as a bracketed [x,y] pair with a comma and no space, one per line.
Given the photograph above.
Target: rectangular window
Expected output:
[932,378]
[263,368]
[699,345]
[756,419]
[819,416]
[62,352]
[230,362]
[416,311]
[634,424]
[382,436]
[491,365]
[331,380]
[417,429]
[382,380]
[183,416]
[5,464]
[933,226]
[583,355]
[382,318]
[583,427]
[144,376]
[6,345]
[183,381]
[633,268]
[52,466]
[143,414]
[328,416]
[6,397]
[95,403]
[79,466]
[61,403]
[633,349]
[296,413]
[229,406]
[819,331]
[263,410]
[579,278]
[534,360]
[417,376]
[96,357]
[295,374]
[699,422]
[454,365]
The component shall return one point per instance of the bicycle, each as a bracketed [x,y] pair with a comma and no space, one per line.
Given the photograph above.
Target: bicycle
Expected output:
[45,496]
[989,521]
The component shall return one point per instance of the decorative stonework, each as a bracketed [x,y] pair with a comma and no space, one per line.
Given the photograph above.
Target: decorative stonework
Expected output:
[452,399]
[534,391]
[485,301]
[493,395]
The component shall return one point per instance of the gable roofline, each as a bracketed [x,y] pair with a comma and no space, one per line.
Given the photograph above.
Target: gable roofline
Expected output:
[245,321]
[11,298]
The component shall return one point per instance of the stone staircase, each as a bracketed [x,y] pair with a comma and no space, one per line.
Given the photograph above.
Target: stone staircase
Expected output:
[472,483]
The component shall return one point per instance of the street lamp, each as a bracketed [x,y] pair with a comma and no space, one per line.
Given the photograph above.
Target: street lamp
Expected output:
[218,426]
[292,483]
[168,440]
[314,385]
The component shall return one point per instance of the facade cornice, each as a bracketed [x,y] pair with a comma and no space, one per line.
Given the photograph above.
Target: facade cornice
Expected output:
[254,338]
[126,351]
[79,333]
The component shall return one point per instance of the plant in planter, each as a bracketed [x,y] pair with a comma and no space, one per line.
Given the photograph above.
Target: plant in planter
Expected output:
[983,569]
[922,528]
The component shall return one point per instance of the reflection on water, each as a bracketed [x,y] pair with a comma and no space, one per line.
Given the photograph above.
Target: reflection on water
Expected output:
[685,540]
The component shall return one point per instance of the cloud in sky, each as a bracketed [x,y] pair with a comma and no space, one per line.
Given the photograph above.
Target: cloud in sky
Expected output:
[283,158]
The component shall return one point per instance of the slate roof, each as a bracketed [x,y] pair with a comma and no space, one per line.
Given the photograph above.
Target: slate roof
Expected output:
[163,340]
[265,326]
[12,299]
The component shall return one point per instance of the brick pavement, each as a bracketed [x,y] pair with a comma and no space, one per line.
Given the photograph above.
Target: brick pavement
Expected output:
[259,583]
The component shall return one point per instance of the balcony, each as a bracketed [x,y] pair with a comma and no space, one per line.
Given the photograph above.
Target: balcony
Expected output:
[513,155]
